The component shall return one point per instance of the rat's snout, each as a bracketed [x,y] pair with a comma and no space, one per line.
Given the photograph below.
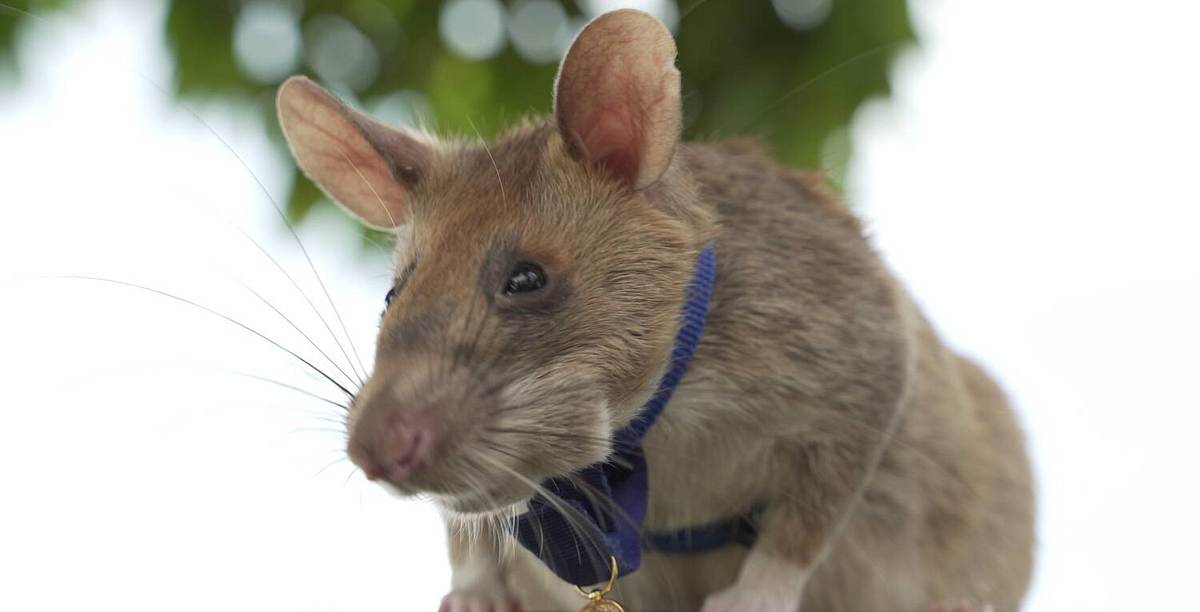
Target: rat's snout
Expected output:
[393,447]
[407,421]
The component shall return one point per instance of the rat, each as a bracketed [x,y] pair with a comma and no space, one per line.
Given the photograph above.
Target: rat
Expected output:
[538,286]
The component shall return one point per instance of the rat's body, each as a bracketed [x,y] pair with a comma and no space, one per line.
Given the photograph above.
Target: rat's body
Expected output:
[538,290]
[783,372]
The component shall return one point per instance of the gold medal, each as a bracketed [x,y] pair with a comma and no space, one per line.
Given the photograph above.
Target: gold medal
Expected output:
[600,604]
[596,599]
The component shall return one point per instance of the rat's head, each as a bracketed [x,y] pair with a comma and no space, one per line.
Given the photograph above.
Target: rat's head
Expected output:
[538,280]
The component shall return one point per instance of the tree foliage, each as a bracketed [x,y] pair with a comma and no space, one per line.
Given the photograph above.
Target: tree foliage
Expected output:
[745,71]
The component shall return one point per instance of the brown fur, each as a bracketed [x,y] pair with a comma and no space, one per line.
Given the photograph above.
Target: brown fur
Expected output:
[810,350]
[893,471]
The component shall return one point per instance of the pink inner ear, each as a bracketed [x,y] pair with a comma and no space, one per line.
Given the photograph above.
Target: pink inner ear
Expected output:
[612,141]
[347,154]
[617,96]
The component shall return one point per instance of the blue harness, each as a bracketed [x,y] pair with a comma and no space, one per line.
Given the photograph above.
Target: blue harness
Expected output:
[609,499]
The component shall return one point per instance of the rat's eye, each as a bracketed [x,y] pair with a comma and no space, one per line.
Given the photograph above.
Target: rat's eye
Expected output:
[525,277]
[387,303]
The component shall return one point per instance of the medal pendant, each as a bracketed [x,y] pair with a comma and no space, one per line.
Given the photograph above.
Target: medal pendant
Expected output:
[600,604]
[597,601]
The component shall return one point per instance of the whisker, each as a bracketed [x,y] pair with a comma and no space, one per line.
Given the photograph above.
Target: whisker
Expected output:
[213,312]
[476,486]
[595,496]
[278,383]
[488,150]
[366,182]
[542,434]
[382,246]
[278,210]
[573,516]
[320,430]
[304,294]
[329,465]
[354,469]
[341,423]
[470,349]
[257,377]
[602,501]
[302,334]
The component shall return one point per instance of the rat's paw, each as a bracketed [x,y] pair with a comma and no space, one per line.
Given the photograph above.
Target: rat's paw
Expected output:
[744,600]
[476,601]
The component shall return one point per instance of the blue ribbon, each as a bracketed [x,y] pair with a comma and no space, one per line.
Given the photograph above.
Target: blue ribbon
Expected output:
[610,505]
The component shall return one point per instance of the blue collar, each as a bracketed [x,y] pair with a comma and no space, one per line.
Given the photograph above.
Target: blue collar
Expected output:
[616,526]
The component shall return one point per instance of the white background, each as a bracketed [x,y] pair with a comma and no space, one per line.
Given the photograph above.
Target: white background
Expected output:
[1032,180]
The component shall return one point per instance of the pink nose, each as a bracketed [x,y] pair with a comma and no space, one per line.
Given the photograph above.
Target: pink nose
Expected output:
[395,450]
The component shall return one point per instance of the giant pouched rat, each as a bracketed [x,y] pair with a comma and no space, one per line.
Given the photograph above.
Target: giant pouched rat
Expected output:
[538,289]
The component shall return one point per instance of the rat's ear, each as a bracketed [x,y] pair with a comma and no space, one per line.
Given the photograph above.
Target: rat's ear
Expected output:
[364,165]
[617,96]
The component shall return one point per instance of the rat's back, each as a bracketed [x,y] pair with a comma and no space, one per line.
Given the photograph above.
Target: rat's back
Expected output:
[806,313]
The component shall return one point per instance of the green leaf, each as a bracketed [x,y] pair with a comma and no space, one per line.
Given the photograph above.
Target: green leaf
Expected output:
[745,72]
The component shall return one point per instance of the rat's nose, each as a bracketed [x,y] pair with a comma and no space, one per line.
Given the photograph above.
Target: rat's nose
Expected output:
[395,449]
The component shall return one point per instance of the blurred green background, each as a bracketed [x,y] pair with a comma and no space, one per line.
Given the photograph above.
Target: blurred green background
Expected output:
[792,72]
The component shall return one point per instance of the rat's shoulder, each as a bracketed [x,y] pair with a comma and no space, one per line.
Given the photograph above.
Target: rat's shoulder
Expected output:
[740,178]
